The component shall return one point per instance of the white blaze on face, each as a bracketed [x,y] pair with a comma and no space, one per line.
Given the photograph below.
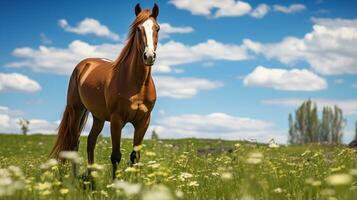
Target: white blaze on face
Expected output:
[149,49]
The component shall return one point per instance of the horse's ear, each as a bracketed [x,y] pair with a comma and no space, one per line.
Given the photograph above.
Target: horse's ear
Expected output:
[155,11]
[137,9]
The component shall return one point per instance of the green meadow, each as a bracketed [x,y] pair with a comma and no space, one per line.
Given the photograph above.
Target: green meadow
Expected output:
[179,169]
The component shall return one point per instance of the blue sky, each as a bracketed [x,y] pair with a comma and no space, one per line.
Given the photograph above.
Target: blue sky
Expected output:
[225,69]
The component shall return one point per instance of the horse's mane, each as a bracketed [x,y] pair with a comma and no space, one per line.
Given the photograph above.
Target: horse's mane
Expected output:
[140,18]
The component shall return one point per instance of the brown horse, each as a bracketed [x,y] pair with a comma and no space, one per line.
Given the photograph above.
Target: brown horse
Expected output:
[121,91]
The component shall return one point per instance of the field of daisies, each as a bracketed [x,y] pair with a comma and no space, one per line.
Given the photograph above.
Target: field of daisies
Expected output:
[179,169]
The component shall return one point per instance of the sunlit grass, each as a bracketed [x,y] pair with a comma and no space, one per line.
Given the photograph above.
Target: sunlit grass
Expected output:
[179,169]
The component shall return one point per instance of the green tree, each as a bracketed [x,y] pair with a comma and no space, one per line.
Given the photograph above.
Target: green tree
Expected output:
[308,128]
[154,135]
[24,125]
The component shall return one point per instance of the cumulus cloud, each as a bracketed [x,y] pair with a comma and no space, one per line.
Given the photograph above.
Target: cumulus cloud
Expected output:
[260,11]
[282,79]
[9,122]
[63,60]
[349,106]
[89,26]
[293,8]
[167,29]
[216,125]
[232,8]
[328,48]
[180,88]
[17,82]
[206,7]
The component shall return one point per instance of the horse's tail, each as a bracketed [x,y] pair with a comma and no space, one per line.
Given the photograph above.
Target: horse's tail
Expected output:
[73,120]
[68,132]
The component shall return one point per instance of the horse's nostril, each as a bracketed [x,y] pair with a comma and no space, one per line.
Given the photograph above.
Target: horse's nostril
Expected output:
[145,57]
[154,55]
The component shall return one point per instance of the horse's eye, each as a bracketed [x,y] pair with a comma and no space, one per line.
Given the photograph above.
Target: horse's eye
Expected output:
[158,28]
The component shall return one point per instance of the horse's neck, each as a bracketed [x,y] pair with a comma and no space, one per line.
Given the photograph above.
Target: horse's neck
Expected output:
[133,71]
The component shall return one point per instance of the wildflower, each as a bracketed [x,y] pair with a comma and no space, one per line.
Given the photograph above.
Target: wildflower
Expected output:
[158,192]
[70,155]
[45,193]
[254,158]
[50,163]
[339,179]
[278,190]
[237,145]
[128,188]
[185,175]
[96,167]
[215,174]
[104,193]
[130,169]
[179,194]
[94,174]
[193,184]
[16,171]
[63,191]
[226,176]
[150,153]
[273,145]
[43,186]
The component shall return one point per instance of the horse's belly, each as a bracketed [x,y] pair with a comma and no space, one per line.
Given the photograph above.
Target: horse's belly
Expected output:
[94,101]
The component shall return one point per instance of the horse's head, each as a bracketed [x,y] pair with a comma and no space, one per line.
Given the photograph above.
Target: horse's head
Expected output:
[147,32]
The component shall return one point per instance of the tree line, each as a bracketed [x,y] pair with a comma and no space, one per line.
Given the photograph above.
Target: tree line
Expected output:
[307,127]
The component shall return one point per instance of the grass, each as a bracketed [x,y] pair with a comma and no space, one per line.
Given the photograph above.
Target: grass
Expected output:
[180,169]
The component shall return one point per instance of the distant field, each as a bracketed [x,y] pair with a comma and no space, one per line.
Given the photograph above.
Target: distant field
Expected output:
[181,169]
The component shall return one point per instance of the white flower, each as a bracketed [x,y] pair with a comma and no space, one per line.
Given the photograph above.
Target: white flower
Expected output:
[278,190]
[339,179]
[254,158]
[70,155]
[226,176]
[185,175]
[130,169]
[128,188]
[193,184]
[50,163]
[96,167]
[158,192]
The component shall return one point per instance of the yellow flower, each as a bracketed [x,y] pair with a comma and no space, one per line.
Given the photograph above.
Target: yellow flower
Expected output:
[64,190]
[193,184]
[339,179]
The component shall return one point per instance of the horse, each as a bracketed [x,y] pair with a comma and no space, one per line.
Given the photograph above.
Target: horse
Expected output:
[120,91]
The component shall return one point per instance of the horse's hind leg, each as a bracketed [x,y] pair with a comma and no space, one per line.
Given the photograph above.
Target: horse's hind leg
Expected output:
[92,138]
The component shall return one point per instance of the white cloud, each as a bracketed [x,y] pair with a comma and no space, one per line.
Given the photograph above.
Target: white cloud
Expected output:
[17,82]
[232,8]
[167,29]
[329,48]
[293,8]
[181,88]
[206,7]
[282,79]
[176,53]
[216,125]
[63,60]
[260,11]
[349,106]
[9,123]
[89,26]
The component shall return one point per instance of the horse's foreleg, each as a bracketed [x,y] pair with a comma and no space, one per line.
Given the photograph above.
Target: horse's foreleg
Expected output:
[116,124]
[140,130]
